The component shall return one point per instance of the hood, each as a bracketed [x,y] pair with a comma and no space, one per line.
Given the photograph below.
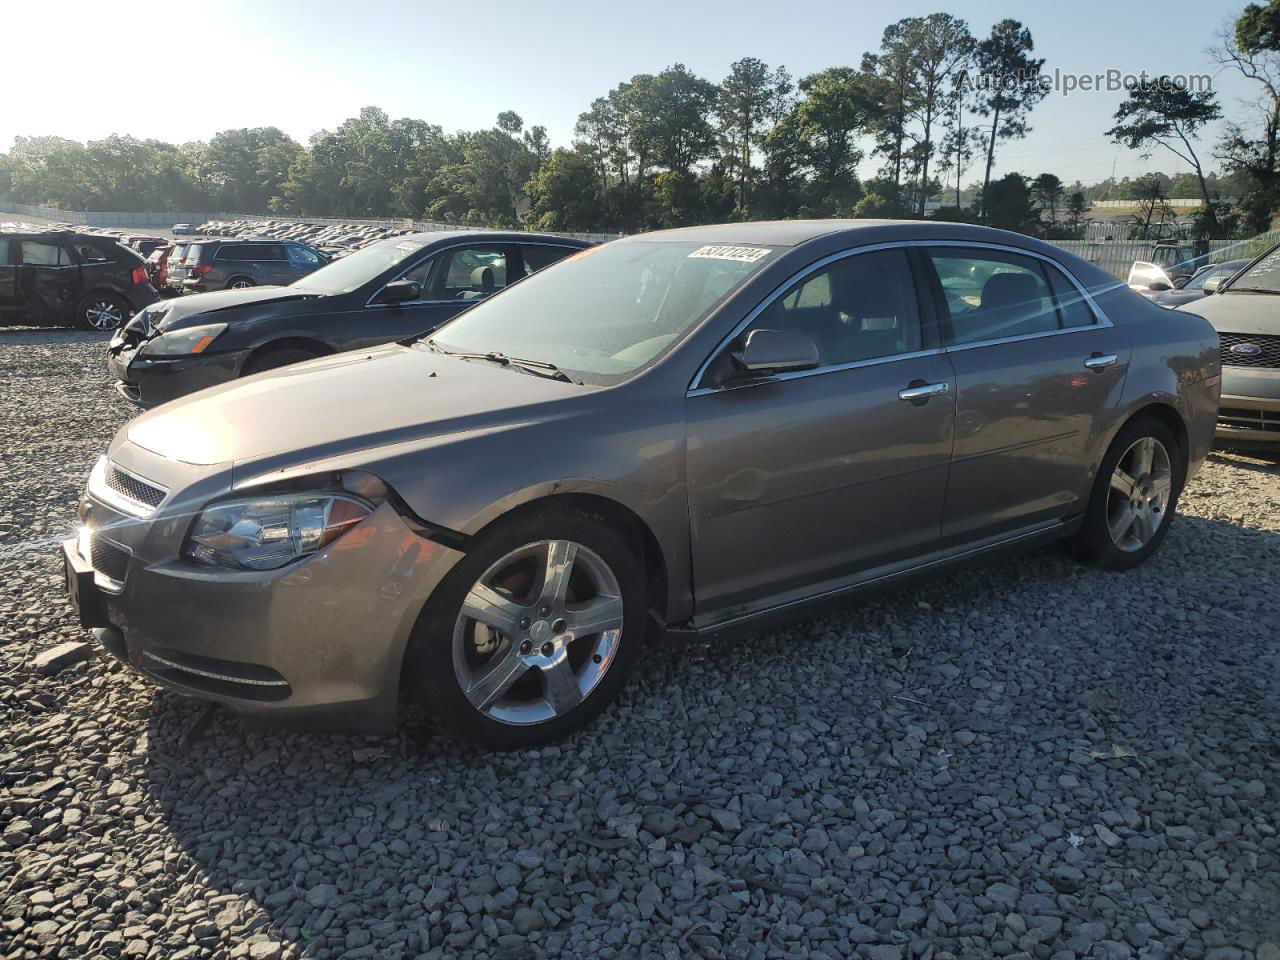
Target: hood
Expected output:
[1175,298]
[345,403]
[1239,312]
[169,313]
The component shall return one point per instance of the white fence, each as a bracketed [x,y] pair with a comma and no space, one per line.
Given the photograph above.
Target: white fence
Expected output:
[1117,256]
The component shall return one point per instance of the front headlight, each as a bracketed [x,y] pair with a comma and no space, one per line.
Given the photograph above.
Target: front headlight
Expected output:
[181,343]
[266,532]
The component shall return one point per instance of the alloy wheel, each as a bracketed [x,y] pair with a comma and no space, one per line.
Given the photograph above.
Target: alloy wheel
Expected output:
[537,632]
[103,315]
[1139,495]
[240,285]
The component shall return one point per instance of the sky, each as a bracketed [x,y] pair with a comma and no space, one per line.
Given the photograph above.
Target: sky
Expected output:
[306,66]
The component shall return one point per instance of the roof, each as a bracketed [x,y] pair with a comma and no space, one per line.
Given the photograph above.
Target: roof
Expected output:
[491,236]
[778,233]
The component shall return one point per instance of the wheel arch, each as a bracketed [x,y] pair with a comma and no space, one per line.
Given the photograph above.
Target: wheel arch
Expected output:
[622,519]
[318,347]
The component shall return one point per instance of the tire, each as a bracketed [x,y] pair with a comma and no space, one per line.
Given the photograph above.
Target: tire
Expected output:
[273,359]
[453,658]
[1114,535]
[240,283]
[101,311]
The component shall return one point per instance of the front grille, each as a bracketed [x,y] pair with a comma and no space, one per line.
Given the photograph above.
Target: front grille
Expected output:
[108,559]
[1268,420]
[133,488]
[1267,344]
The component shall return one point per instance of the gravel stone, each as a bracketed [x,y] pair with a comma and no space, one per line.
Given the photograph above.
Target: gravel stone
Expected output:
[965,770]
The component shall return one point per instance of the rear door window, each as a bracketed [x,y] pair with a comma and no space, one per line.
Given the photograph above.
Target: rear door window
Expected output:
[38,254]
[992,295]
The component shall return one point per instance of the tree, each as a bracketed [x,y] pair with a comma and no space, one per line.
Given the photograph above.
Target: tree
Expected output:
[1077,206]
[1149,192]
[564,192]
[960,143]
[1162,113]
[752,98]
[1008,205]
[1252,48]
[1047,191]
[244,169]
[888,79]
[669,117]
[942,45]
[814,149]
[1010,87]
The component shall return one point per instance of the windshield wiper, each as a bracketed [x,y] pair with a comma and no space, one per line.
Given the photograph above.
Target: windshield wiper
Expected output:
[1250,290]
[539,368]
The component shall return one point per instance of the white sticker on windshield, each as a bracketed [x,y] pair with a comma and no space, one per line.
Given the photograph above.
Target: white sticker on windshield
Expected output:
[740,254]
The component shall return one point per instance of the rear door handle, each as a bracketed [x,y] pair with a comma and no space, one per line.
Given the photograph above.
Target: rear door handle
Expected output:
[919,392]
[1100,361]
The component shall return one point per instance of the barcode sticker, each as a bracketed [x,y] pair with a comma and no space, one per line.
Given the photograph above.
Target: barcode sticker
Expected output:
[740,254]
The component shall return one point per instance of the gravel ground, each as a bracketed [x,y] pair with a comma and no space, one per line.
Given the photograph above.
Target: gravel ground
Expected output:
[1031,759]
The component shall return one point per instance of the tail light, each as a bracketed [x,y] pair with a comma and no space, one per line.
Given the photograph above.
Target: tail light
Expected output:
[140,276]
[200,269]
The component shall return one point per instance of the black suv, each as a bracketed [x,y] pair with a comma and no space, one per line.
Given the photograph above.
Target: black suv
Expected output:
[236,264]
[59,277]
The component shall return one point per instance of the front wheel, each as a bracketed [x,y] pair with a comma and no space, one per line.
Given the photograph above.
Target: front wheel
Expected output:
[1134,497]
[533,633]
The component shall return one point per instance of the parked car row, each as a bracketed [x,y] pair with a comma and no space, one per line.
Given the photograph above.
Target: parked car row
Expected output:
[332,239]
[694,432]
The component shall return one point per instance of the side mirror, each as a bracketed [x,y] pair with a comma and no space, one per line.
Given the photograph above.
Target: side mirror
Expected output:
[400,291]
[776,351]
[1212,284]
[1159,286]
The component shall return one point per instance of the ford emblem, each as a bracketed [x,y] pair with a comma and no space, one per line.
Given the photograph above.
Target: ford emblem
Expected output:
[1246,349]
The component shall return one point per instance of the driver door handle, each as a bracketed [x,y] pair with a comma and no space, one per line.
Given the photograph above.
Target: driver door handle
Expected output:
[919,392]
[1100,361]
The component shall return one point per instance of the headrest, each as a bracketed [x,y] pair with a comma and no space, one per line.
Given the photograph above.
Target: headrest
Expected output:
[482,279]
[1004,290]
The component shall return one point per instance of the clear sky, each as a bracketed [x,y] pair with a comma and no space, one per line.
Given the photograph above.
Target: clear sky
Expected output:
[305,66]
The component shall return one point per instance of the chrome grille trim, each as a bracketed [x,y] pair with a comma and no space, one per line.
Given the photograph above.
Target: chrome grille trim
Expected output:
[225,678]
[125,490]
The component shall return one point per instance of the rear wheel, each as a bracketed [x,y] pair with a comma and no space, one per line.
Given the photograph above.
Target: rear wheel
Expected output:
[533,633]
[278,357]
[101,311]
[1134,497]
[239,283]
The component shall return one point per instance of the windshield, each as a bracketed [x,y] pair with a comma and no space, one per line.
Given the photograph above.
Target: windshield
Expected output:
[356,269]
[1263,275]
[604,313]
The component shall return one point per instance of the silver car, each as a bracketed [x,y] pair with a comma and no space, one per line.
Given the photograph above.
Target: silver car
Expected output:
[692,432]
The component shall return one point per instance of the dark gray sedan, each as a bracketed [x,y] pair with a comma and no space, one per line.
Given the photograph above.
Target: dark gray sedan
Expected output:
[388,291]
[693,432]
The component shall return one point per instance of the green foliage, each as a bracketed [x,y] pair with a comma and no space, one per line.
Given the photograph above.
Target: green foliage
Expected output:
[1009,89]
[1008,205]
[1258,27]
